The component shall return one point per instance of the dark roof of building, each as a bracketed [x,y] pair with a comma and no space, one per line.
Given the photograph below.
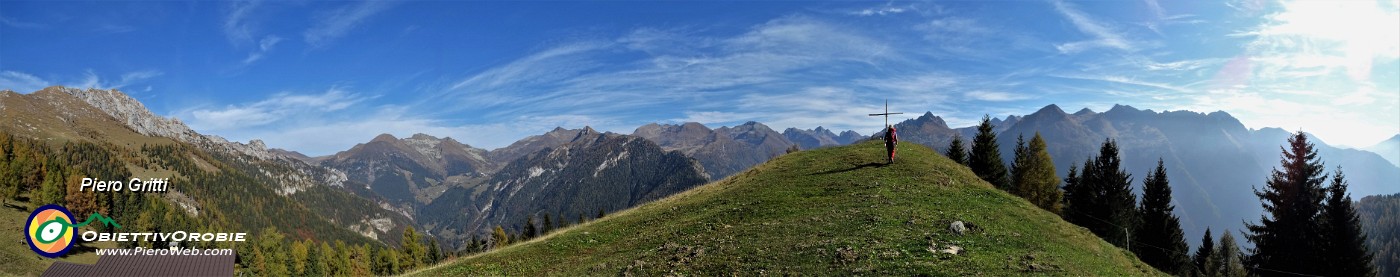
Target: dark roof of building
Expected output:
[142,265]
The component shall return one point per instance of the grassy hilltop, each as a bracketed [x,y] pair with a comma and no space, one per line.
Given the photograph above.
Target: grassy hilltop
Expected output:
[832,211]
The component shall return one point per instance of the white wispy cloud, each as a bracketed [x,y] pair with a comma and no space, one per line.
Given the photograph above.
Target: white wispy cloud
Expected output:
[886,9]
[1104,35]
[264,46]
[238,24]
[21,82]
[279,107]
[17,24]
[995,96]
[333,24]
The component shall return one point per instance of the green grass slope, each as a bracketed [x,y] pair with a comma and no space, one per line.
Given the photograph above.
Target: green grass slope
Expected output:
[832,211]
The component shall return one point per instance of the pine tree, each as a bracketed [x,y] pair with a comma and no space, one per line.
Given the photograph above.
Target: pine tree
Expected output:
[52,190]
[1100,198]
[1205,260]
[986,156]
[548,225]
[529,231]
[343,260]
[1020,161]
[413,253]
[316,264]
[1228,259]
[1034,175]
[1165,244]
[386,262]
[1288,237]
[329,258]
[1346,252]
[601,213]
[956,152]
[300,255]
[274,257]
[1072,193]
[434,253]
[361,268]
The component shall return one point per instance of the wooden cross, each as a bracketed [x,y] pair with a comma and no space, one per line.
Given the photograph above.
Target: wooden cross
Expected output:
[886,114]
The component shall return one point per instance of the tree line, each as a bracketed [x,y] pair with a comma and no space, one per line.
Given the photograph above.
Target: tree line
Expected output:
[1306,229]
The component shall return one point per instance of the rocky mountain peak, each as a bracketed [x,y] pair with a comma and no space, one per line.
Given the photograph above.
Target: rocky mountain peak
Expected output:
[422,136]
[385,137]
[1051,109]
[127,110]
[1084,111]
[928,119]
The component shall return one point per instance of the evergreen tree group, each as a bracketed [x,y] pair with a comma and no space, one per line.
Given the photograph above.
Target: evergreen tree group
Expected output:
[1100,197]
[1306,228]
[1033,175]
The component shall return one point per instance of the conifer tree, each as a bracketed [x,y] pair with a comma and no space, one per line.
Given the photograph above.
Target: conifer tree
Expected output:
[1228,257]
[1100,197]
[53,190]
[300,255]
[361,267]
[316,264]
[956,151]
[1034,175]
[601,213]
[413,253]
[1072,192]
[1160,230]
[1346,252]
[329,258]
[548,225]
[1205,261]
[1020,160]
[1288,237]
[434,253]
[986,159]
[529,231]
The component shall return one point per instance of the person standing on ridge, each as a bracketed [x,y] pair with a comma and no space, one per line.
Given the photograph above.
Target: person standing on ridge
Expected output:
[891,139]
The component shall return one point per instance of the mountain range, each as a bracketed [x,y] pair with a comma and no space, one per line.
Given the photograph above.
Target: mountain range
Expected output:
[1213,161]
[455,191]
[312,201]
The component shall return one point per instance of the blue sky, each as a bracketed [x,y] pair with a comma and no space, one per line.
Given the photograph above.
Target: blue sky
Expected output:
[321,76]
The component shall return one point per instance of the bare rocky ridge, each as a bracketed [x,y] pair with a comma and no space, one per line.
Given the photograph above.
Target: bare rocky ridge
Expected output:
[134,115]
[113,119]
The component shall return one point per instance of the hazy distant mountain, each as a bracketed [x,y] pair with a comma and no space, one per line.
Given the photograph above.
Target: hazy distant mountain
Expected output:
[1212,160]
[592,171]
[1388,149]
[403,170]
[820,137]
[722,151]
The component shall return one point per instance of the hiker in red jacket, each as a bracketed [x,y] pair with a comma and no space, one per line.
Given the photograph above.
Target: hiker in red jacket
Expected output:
[891,139]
